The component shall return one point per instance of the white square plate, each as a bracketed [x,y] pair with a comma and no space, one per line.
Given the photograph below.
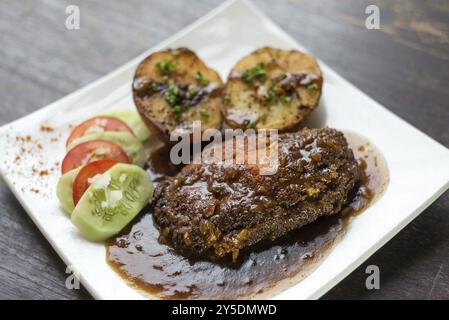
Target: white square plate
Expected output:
[419,166]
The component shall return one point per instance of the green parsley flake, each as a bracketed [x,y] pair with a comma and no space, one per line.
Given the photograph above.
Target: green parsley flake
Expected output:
[227,100]
[193,91]
[172,95]
[255,73]
[165,67]
[271,96]
[312,87]
[248,123]
[200,79]
[204,113]
[286,99]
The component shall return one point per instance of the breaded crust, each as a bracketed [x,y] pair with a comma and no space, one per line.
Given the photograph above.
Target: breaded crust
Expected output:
[216,208]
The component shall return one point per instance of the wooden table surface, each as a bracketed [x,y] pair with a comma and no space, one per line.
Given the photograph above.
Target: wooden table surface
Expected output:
[404,66]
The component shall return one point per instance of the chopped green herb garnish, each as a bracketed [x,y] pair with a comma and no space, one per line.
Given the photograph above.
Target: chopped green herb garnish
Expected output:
[286,99]
[193,91]
[312,87]
[227,100]
[263,117]
[200,79]
[165,67]
[172,95]
[248,123]
[257,72]
[203,112]
[154,86]
[177,109]
[271,96]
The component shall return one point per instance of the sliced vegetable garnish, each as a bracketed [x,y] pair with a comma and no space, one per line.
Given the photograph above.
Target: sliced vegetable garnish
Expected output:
[87,174]
[93,150]
[64,190]
[98,124]
[132,118]
[129,143]
[111,201]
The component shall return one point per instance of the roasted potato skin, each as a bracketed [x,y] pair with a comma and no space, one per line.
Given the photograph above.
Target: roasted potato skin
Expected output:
[152,105]
[242,105]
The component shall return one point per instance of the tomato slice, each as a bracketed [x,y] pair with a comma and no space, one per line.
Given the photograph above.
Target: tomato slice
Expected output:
[98,124]
[81,182]
[90,151]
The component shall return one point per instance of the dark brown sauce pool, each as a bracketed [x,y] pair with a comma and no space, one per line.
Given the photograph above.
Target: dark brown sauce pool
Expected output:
[262,270]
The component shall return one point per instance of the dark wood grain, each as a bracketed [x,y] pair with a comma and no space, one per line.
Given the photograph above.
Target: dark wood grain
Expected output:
[404,66]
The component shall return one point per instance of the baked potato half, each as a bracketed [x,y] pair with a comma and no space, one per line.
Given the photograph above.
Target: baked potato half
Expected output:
[272,89]
[173,88]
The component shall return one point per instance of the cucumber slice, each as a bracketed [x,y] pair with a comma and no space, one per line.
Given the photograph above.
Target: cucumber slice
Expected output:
[64,190]
[132,146]
[112,200]
[132,118]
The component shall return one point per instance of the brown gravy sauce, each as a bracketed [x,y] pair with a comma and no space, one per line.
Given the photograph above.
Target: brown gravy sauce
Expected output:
[261,270]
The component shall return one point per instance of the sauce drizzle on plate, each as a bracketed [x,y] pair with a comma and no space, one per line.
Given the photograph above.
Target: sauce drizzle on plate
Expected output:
[262,270]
